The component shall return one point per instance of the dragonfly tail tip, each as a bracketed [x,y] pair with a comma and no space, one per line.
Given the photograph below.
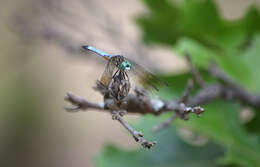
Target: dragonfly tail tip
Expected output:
[85,46]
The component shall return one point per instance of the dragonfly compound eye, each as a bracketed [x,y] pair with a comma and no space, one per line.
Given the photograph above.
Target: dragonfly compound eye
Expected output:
[126,65]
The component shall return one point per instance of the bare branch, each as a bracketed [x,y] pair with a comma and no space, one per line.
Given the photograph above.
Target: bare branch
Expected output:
[205,95]
[187,92]
[183,100]
[216,72]
[80,103]
[231,90]
[195,72]
[138,136]
[133,104]
[164,124]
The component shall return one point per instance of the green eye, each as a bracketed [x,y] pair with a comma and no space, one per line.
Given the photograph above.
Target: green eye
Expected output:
[126,65]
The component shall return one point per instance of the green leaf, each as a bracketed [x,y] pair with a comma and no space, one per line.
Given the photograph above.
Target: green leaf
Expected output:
[169,151]
[253,125]
[167,22]
[241,66]
[220,122]
[251,58]
[232,63]
[199,54]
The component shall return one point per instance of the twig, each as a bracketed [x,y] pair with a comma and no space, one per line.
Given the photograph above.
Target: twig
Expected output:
[216,72]
[133,104]
[195,72]
[138,136]
[227,89]
[183,99]
[80,103]
[231,90]
[164,124]
[187,92]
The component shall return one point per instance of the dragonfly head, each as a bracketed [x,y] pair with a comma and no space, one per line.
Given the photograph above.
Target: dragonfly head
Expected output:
[125,65]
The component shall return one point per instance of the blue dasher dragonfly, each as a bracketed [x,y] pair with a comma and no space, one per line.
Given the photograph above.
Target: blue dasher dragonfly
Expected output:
[119,63]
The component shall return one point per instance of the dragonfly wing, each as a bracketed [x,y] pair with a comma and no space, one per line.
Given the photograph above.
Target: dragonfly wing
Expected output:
[109,70]
[147,78]
[108,73]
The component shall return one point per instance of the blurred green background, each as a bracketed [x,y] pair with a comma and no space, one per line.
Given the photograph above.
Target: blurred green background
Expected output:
[40,61]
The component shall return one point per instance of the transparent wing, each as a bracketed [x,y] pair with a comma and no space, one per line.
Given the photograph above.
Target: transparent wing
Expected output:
[108,73]
[147,78]
[110,67]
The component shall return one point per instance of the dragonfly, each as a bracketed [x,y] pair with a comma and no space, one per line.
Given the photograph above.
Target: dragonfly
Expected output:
[119,63]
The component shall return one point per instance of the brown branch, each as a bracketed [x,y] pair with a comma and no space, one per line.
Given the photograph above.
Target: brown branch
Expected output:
[187,92]
[231,90]
[183,99]
[197,77]
[135,104]
[164,124]
[140,102]
[226,89]
[138,136]
[80,103]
